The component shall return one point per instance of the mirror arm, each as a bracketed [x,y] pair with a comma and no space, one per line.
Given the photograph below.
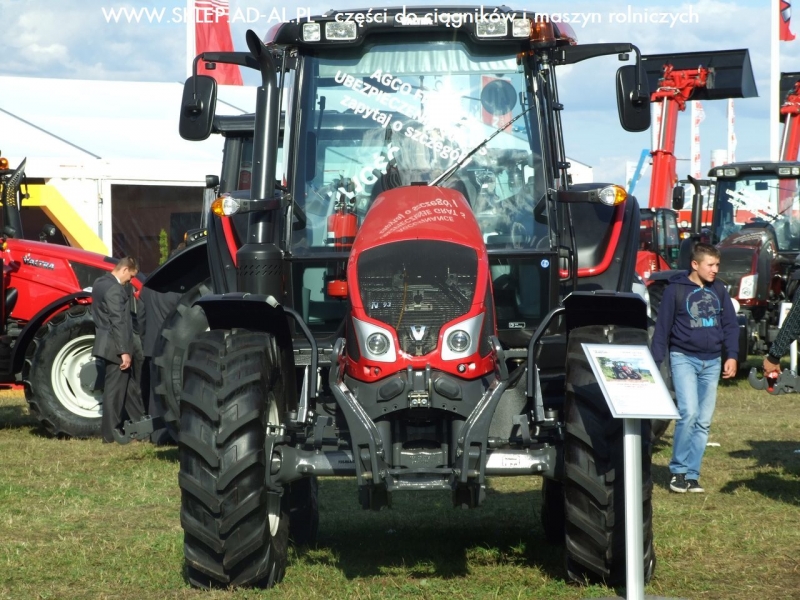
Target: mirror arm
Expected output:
[637,97]
[195,107]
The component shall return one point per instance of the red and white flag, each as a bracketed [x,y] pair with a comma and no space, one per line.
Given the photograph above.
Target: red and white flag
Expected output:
[786,34]
[698,114]
[212,33]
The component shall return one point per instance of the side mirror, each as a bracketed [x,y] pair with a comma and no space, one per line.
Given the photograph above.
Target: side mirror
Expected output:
[633,115]
[678,197]
[9,231]
[197,107]
[212,181]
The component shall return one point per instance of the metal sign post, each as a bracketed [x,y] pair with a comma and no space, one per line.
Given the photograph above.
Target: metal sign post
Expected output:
[631,401]
[634,543]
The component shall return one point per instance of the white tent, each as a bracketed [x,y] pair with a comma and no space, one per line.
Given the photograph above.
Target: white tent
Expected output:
[83,137]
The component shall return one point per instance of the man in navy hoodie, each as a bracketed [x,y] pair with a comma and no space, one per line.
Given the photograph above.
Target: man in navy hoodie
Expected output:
[696,323]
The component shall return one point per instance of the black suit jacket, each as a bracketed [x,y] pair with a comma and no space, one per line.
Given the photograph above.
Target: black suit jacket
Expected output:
[111,311]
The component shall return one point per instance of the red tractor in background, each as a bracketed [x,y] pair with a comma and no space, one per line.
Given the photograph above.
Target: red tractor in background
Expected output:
[674,80]
[46,328]
[754,223]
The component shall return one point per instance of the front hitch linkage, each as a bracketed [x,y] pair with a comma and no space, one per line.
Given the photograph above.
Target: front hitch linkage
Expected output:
[785,383]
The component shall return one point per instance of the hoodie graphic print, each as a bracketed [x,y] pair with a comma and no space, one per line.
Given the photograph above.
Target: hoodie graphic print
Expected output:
[704,307]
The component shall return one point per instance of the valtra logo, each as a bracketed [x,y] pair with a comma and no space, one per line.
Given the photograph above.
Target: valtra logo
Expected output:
[35,262]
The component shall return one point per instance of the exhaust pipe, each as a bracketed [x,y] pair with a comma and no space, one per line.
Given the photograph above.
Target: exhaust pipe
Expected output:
[11,205]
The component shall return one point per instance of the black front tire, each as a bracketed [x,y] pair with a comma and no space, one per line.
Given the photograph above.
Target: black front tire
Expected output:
[594,485]
[51,375]
[184,324]
[236,525]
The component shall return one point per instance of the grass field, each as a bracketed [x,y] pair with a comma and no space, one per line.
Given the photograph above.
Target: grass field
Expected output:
[79,519]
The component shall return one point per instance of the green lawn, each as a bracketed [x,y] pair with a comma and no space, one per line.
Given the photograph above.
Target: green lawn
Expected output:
[79,519]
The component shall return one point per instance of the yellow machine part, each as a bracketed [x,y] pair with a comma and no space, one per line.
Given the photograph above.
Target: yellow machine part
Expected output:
[61,213]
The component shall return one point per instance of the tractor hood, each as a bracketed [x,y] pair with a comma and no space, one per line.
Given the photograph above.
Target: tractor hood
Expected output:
[419,287]
[752,237]
[27,251]
[419,212]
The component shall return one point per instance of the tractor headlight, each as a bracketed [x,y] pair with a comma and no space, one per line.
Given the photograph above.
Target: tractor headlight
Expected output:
[521,28]
[378,344]
[335,30]
[458,341]
[311,32]
[747,287]
[491,27]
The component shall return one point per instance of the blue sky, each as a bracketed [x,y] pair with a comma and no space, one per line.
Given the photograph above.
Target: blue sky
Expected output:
[80,40]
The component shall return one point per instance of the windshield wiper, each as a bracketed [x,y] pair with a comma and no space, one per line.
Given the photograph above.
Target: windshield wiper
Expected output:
[456,166]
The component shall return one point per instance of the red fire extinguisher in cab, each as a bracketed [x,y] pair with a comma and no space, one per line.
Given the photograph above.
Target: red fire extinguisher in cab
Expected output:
[343,222]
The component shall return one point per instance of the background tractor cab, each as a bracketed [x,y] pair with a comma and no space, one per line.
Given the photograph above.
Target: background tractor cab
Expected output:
[430,353]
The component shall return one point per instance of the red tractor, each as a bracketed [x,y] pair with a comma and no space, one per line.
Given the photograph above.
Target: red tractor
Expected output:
[45,318]
[406,305]
[754,223]
[675,80]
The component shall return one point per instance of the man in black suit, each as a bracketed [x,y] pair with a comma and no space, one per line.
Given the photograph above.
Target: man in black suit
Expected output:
[114,343]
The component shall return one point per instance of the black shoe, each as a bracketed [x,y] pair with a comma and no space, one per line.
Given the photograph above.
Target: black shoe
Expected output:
[694,487]
[678,483]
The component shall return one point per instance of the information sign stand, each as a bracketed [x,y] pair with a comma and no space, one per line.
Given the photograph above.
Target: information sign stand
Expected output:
[634,390]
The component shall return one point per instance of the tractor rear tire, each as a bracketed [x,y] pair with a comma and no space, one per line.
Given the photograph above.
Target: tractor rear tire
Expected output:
[303,511]
[51,375]
[180,327]
[236,524]
[594,483]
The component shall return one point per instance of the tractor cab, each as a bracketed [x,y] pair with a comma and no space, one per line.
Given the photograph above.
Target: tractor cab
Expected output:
[400,112]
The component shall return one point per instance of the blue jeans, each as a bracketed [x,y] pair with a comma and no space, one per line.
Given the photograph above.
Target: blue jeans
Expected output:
[695,383]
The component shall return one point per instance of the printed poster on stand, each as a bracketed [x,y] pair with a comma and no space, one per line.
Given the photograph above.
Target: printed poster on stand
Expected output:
[630,382]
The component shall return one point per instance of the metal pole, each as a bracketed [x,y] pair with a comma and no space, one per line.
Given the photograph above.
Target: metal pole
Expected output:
[634,540]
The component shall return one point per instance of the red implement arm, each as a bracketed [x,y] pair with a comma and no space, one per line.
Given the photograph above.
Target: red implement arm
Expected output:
[675,89]
[790,110]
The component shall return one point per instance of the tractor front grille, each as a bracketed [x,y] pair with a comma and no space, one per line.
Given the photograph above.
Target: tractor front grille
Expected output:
[735,263]
[417,286]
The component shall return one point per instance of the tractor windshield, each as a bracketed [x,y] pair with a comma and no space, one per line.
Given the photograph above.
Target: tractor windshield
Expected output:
[764,201]
[390,114]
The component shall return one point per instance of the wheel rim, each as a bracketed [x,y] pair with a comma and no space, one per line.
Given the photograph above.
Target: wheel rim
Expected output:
[65,378]
[273,499]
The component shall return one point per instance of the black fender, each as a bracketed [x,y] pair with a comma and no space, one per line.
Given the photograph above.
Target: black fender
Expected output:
[601,307]
[255,312]
[182,271]
[662,276]
[44,315]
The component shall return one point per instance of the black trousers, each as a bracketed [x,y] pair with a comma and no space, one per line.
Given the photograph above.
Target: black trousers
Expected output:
[122,396]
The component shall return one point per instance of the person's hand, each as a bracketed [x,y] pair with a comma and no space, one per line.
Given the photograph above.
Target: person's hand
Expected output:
[126,362]
[729,368]
[771,367]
